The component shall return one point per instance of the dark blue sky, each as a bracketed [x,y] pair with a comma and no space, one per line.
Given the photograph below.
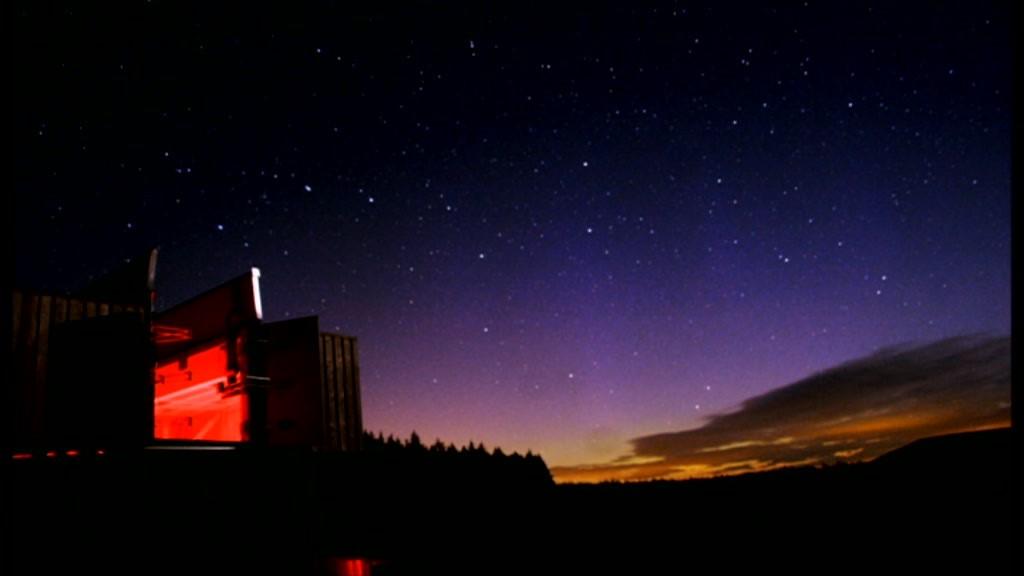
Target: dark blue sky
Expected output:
[554,228]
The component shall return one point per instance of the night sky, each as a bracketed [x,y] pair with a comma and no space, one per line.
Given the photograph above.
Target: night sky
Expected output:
[555,228]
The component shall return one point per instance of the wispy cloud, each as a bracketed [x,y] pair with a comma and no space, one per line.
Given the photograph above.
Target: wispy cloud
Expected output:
[855,411]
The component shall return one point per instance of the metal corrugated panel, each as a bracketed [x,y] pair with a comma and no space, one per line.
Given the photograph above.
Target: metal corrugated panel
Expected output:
[34,317]
[342,412]
[42,350]
[323,436]
[29,381]
[15,318]
[60,310]
[330,394]
[347,395]
[75,309]
[356,427]
[341,372]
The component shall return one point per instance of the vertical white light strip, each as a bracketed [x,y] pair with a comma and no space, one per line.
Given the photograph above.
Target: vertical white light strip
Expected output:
[257,302]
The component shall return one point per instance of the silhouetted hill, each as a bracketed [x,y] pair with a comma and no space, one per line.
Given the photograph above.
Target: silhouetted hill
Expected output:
[941,504]
[938,504]
[968,451]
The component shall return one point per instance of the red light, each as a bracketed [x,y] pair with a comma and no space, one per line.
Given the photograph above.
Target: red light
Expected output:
[71,453]
[51,454]
[101,452]
[167,334]
[200,398]
[21,456]
[351,567]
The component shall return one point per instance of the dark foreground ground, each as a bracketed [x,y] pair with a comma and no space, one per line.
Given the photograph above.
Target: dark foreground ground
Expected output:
[945,504]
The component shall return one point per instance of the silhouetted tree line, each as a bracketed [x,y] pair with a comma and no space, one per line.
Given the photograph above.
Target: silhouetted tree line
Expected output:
[403,498]
[378,443]
[446,462]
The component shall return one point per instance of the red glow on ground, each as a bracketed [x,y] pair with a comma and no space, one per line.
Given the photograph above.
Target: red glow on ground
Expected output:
[351,567]
[200,398]
[51,454]
[21,456]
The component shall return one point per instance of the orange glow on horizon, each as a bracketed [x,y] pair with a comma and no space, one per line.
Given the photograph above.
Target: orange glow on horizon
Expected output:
[900,423]
[853,441]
